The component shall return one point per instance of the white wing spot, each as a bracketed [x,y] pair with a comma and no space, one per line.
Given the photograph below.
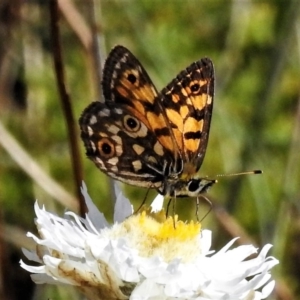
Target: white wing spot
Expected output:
[103,134]
[152,159]
[104,112]
[209,99]
[93,146]
[158,149]
[137,165]
[113,161]
[119,150]
[117,139]
[119,111]
[138,149]
[113,129]
[114,169]
[93,120]
[114,75]
[100,163]
[90,131]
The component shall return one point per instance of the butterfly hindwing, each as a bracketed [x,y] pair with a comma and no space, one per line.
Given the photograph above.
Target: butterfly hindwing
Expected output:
[122,146]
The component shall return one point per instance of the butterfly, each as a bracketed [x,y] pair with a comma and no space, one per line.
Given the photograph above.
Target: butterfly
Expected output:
[148,138]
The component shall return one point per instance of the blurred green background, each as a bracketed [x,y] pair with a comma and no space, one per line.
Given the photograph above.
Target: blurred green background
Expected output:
[255,47]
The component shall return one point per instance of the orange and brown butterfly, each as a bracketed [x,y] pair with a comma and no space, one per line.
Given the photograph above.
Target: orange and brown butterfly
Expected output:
[148,138]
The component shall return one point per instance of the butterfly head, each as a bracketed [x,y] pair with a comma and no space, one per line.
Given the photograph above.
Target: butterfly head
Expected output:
[192,187]
[196,186]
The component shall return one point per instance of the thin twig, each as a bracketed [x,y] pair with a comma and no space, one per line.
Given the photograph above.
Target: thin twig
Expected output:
[65,101]
[97,47]
[32,168]
[90,38]
[93,42]
[76,22]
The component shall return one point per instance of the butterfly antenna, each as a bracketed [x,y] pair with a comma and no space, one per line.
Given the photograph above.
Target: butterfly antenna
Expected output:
[254,172]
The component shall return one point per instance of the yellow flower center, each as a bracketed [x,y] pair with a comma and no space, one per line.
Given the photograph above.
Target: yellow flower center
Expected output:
[171,228]
[152,234]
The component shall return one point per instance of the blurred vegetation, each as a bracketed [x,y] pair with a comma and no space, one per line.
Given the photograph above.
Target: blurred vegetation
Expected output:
[255,46]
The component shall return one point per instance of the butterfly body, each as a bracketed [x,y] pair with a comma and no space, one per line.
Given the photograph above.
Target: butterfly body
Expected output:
[150,139]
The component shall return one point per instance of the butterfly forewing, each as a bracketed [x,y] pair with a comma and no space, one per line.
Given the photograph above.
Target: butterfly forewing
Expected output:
[188,101]
[126,82]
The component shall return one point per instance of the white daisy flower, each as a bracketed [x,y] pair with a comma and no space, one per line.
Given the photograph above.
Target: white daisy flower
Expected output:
[143,257]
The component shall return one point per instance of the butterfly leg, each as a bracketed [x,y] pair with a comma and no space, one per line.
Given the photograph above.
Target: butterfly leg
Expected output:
[173,201]
[168,207]
[197,208]
[174,211]
[144,201]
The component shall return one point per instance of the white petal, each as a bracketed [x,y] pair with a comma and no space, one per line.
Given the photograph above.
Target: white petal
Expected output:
[43,279]
[37,269]
[31,255]
[148,289]
[267,289]
[94,214]
[157,203]
[205,240]
[123,208]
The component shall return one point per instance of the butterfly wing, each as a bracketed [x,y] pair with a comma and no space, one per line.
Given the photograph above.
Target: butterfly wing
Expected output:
[188,102]
[121,135]
[144,138]
[126,82]
[122,146]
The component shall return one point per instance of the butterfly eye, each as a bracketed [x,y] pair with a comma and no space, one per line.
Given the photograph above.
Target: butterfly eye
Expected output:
[106,148]
[195,88]
[131,78]
[193,185]
[131,124]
